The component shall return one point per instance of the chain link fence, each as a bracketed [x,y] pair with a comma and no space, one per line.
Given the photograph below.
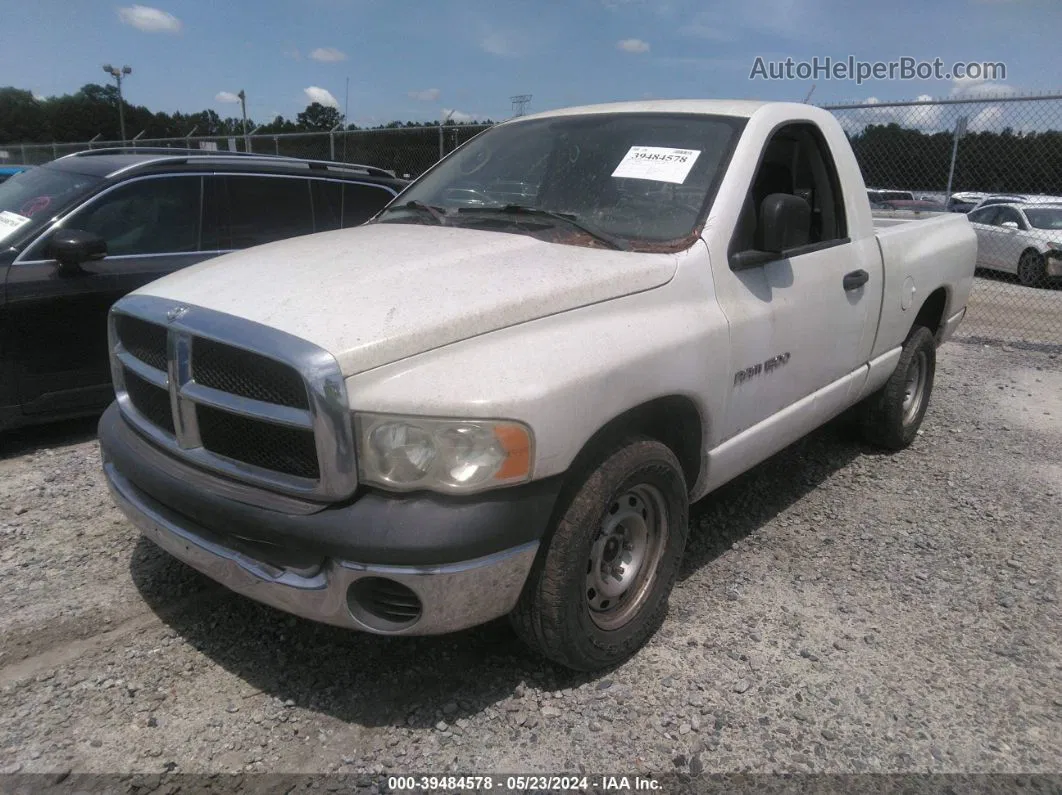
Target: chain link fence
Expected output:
[946,155]
[949,155]
[407,151]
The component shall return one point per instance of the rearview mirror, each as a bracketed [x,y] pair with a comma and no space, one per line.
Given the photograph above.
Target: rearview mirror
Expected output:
[72,247]
[785,223]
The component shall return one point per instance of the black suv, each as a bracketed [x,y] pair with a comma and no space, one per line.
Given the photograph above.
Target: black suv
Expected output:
[82,231]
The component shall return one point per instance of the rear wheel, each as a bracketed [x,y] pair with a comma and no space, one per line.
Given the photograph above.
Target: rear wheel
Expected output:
[1032,269]
[891,417]
[600,590]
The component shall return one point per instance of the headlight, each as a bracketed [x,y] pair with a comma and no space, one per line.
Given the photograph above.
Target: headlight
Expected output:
[407,453]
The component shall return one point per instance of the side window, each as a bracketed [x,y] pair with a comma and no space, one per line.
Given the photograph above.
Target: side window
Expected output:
[986,215]
[263,209]
[157,215]
[796,161]
[362,202]
[1010,214]
[327,205]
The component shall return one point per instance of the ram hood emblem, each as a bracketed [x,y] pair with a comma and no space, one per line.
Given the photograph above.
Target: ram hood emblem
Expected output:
[176,313]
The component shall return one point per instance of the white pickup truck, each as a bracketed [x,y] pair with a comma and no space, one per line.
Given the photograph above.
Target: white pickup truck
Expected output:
[500,396]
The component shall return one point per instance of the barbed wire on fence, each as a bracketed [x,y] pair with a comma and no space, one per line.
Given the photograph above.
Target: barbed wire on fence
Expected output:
[408,151]
[950,153]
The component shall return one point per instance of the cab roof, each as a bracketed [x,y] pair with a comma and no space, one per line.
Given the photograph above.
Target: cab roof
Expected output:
[742,108]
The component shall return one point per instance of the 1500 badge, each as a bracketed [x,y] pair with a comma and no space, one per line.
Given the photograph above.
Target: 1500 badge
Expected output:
[769,366]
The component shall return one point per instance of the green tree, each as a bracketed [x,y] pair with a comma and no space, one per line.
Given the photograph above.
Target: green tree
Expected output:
[22,118]
[318,117]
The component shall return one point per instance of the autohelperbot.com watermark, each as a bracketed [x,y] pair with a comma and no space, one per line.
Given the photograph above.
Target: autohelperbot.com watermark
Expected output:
[851,68]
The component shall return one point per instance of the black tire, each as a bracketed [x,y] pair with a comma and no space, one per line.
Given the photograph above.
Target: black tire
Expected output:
[1032,269]
[888,420]
[555,615]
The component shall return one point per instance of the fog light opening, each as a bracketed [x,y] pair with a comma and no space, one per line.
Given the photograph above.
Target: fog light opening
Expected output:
[383,605]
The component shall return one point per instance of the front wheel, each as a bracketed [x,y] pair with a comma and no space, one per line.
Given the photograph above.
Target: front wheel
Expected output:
[1032,269]
[600,590]
[892,415]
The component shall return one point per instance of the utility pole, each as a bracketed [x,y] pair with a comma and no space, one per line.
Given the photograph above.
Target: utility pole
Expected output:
[442,145]
[243,107]
[960,131]
[118,74]
[520,101]
[346,118]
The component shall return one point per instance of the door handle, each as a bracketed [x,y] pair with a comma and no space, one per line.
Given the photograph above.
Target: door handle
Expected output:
[855,280]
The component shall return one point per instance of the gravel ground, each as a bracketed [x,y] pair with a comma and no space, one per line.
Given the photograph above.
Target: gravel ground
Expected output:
[840,610]
[1001,308]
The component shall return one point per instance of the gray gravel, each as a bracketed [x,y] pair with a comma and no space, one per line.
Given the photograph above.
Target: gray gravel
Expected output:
[839,610]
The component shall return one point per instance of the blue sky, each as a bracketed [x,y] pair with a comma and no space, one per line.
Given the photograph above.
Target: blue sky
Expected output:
[412,60]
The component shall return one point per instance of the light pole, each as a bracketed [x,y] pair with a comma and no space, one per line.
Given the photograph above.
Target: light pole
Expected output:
[442,147]
[243,107]
[118,74]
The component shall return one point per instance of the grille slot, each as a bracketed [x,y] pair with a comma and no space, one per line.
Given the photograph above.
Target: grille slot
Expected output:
[153,403]
[146,341]
[291,451]
[247,374]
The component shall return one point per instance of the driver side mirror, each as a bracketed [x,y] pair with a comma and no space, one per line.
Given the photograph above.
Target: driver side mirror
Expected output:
[784,224]
[1009,224]
[72,247]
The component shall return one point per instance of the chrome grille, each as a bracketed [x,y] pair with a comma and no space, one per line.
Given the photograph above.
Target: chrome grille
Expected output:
[242,399]
[151,401]
[288,450]
[247,374]
[145,341]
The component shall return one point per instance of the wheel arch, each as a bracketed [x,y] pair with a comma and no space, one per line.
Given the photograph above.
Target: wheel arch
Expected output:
[931,313]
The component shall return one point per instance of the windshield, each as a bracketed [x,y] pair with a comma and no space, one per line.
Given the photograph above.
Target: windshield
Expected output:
[1045,217]
[643,178]
[30,198]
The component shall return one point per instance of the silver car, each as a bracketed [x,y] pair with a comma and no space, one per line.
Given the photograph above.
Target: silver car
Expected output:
[1023,239]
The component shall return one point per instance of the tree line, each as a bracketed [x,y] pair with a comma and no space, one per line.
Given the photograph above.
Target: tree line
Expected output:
[93,110]
[892,156]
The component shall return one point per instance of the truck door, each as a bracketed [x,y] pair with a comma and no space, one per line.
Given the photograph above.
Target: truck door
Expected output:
[805,321]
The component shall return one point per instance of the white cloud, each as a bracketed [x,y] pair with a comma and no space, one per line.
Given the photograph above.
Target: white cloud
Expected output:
[426,95]
[632,45]
[150,20]
[39,97]
[457,115]
[322,95]
[226,96]
[969,87]
[498,44]
[328,55]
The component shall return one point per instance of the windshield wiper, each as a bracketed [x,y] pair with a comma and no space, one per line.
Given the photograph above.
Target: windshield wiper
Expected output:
[571,219]
[438,213]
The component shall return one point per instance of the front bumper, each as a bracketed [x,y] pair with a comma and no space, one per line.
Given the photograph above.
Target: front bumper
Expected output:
[1053,264]
[303,575]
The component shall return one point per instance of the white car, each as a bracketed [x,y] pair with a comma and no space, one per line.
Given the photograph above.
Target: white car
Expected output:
[1024,239]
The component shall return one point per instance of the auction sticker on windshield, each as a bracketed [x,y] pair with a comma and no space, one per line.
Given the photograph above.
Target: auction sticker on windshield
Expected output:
[658,163]
[10,222]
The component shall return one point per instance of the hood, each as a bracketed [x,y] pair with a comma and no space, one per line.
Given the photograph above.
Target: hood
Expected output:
[379,293]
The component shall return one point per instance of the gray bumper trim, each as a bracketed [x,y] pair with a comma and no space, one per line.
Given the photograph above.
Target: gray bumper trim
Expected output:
[454,596]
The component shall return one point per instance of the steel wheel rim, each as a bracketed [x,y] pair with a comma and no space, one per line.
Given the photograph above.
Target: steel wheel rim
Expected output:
[915,387]
[624,556]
